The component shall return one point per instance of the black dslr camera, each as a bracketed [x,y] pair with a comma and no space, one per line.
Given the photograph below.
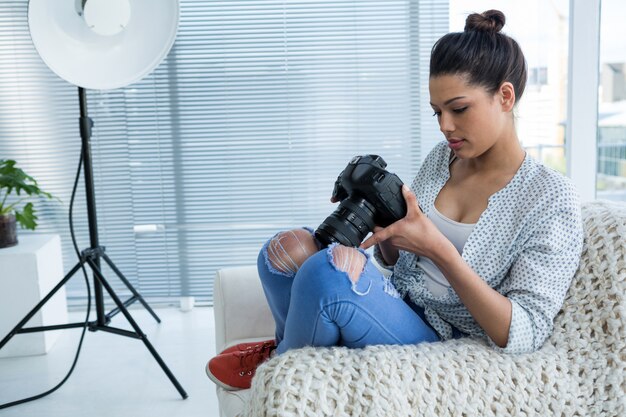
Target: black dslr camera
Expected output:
[369,196]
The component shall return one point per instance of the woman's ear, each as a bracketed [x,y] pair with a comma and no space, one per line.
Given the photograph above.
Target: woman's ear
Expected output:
[507,96]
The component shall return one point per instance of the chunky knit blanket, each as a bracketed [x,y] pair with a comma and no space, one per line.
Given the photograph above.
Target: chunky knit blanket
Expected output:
[580,371]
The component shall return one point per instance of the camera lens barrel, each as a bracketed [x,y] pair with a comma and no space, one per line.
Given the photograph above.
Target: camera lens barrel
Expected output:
[349,224]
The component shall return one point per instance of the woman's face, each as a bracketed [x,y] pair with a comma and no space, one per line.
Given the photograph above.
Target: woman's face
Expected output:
[471,119]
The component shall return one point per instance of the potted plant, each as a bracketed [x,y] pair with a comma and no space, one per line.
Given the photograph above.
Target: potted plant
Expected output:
[13,180]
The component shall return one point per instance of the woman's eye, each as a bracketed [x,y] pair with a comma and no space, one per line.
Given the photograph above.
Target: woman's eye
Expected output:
[460,110]
[437,113]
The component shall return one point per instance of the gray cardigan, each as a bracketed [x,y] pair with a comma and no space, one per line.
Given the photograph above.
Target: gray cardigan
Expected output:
[526,245]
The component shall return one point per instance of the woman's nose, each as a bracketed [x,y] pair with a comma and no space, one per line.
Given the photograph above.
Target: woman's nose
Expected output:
[445,123]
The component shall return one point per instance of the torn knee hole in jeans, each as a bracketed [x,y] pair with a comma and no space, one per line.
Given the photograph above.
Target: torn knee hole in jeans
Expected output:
[287,251]
[352,262]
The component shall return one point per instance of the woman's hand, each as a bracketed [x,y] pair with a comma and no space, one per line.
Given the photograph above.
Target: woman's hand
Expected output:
[414,233]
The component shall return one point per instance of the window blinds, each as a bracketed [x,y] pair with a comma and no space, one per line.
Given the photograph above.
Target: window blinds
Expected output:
[239,133]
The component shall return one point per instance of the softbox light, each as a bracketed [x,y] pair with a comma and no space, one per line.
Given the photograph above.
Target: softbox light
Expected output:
[77,39]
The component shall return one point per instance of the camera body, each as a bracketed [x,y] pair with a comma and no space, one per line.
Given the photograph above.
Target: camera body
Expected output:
[369,195]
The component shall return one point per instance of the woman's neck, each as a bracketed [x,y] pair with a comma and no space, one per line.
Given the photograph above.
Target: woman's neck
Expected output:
[504,156]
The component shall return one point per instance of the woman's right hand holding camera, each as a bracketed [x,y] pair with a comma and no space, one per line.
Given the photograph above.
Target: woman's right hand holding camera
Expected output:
[414,233]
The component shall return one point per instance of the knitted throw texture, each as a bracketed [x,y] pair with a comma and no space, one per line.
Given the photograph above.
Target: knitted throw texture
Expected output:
[580,370]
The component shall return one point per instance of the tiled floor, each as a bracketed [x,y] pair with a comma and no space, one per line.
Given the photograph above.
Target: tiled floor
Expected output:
[117,376]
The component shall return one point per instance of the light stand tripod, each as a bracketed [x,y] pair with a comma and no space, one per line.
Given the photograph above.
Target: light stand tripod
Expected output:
[92,256]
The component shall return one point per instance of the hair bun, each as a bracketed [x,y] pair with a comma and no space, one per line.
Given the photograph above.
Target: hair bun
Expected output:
[490,21]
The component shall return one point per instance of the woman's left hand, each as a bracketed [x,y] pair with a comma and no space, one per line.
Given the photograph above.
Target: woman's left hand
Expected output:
[413,233]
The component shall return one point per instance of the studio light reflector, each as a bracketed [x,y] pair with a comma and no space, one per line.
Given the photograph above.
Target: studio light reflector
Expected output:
[103,44]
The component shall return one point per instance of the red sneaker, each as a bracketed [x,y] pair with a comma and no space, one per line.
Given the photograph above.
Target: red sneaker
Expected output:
[234,371]
[247,346]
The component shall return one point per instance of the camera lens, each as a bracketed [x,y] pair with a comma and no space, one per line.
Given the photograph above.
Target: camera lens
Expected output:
[349,224]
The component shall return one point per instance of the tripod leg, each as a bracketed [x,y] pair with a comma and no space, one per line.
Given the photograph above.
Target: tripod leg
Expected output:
[136,327]
[129,286]
[34,311]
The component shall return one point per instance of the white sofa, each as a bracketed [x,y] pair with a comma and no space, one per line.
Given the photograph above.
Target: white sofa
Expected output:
[580,371]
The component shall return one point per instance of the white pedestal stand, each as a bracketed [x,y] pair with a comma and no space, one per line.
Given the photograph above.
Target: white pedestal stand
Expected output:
[28,271]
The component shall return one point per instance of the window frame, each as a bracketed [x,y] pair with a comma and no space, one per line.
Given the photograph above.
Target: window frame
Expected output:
[582,96]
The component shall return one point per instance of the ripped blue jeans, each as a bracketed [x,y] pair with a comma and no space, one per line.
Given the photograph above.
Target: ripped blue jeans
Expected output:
[318,304]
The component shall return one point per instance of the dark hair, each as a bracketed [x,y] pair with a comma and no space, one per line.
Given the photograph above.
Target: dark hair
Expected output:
[487,57]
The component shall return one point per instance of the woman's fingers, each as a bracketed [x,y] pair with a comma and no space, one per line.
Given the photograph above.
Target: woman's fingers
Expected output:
[379,235]
[412,206]
[369,242]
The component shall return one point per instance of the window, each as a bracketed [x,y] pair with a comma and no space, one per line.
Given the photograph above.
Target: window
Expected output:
[239,133]
[538,76]
[611,167]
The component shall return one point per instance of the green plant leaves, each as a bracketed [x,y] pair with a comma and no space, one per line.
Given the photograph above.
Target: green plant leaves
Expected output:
[27,218]
[15,180]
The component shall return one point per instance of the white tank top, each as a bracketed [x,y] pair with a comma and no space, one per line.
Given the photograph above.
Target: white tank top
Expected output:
[457,233]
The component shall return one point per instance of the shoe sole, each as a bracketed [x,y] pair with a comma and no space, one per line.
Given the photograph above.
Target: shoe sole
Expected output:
[220,383]
[232,349]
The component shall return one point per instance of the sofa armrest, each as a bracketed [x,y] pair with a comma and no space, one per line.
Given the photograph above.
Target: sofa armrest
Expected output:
[452,378]
[240,308]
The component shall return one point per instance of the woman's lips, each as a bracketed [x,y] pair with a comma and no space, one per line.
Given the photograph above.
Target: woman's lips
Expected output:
[455,144]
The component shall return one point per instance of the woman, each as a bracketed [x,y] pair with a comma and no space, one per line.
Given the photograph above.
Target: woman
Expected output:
[491,256]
